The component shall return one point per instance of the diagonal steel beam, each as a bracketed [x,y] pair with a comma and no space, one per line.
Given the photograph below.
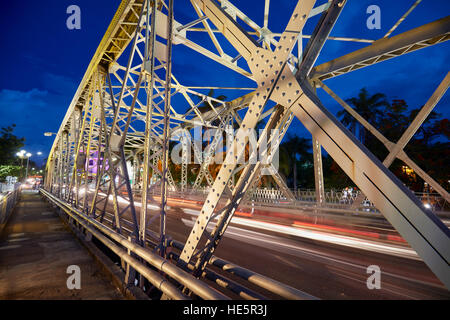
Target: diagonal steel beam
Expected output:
[319,36]
[418,120]
[385,48]
[388,144]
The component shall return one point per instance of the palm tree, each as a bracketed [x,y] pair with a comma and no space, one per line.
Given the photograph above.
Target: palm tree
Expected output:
[290,150]
[367,106]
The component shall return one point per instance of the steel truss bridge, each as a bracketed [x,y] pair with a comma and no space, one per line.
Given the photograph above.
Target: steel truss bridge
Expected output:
[127,106]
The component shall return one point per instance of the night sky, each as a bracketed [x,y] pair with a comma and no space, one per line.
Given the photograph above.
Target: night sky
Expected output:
[43,61]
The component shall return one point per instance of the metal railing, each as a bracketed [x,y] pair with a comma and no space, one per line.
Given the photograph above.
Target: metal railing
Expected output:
[8,201]
[342,198]
[128,251]
[152,266]
[5,187]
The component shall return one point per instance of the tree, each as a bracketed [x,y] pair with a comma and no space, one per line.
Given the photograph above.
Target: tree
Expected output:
[427,147]
[12,171]
[292,150]
[9,145]
[367,106]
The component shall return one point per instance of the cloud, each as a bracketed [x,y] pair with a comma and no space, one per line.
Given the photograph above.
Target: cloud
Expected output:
[14,96]
[58,84]
[20,107]
[33,111]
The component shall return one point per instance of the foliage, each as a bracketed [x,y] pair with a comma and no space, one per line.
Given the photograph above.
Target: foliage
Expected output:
[9,145]
[426,147]
[369,107]
[9,170]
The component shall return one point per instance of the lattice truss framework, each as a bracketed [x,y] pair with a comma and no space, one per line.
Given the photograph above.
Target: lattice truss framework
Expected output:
[122,112]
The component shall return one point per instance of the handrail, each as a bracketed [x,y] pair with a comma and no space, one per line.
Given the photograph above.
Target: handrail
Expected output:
[7,203]
[264,282]
[195,285]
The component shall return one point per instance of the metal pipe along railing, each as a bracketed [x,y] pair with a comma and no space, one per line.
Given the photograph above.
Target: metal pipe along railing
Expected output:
[7,203]
[195,285]
[271,285]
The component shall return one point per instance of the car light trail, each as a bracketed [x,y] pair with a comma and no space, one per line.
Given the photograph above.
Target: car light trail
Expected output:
[322,236]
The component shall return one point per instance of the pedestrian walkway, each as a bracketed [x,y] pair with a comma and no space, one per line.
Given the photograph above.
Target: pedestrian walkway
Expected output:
[35,251]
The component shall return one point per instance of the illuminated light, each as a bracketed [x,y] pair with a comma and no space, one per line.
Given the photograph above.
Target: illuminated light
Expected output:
[310,234]
[191,211]
[149,206]
[427,205]
[408,171]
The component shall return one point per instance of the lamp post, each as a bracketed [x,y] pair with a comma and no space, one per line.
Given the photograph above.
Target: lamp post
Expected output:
[28,155]
[24,155]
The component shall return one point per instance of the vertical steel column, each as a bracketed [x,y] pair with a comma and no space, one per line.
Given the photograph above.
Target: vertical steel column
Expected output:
[318,172]
[79,146]
[165,141]
[184,162]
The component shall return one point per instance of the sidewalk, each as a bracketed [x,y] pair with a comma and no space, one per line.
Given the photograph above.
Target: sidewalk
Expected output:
[35,251]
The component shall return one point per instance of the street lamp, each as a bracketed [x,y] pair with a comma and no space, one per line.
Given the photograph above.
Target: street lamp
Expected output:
[19,155]
[24,155]
[28,155]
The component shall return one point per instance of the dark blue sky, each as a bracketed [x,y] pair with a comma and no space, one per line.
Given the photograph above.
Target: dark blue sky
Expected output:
[43,61]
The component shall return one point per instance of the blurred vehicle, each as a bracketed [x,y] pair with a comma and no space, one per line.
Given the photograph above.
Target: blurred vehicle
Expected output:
[26,186]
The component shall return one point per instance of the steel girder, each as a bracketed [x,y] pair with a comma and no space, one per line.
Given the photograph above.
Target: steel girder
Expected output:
[386,48]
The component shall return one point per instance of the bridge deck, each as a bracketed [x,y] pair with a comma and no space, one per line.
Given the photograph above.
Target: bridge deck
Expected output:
[35,251]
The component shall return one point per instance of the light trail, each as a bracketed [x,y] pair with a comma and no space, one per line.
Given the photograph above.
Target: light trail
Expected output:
[324,237]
